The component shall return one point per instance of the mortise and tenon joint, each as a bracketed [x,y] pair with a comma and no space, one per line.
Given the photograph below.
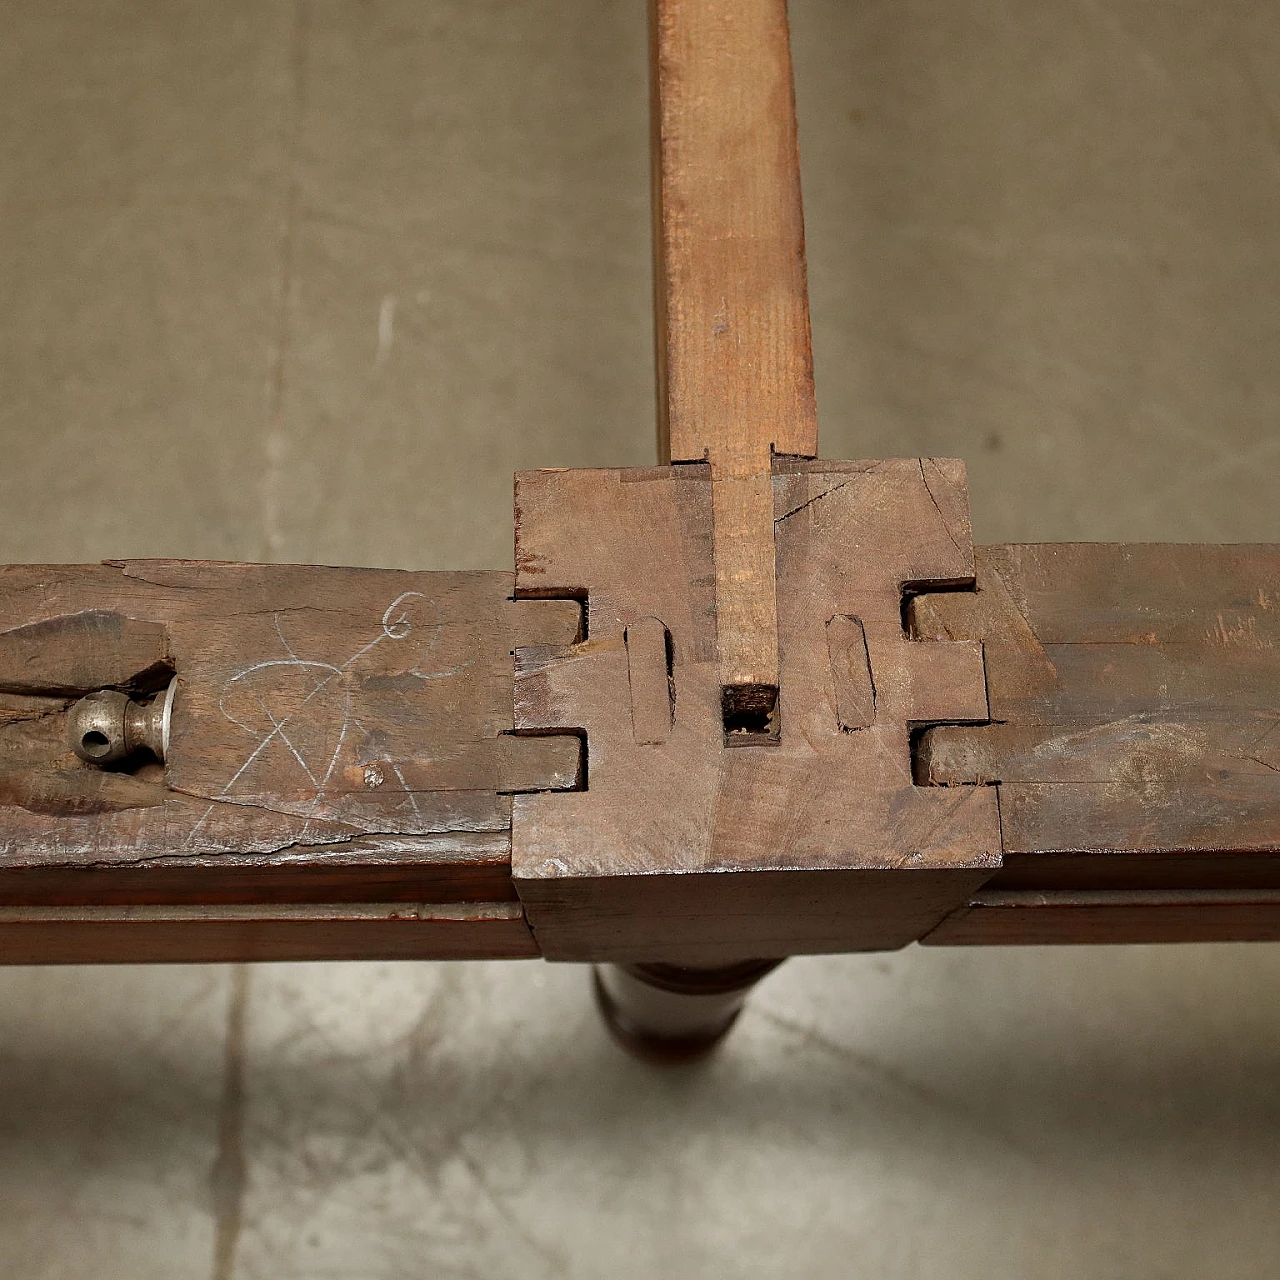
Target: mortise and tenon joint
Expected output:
[688,849]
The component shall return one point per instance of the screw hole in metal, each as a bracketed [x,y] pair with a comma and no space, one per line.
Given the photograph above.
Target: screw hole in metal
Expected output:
[108,727]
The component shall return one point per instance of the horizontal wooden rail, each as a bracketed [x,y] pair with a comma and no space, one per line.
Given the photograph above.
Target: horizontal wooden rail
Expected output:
[1134,740]
[339,736]
[381,764]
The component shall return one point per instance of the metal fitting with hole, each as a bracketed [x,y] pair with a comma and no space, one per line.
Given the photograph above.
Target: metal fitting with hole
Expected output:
[107,727]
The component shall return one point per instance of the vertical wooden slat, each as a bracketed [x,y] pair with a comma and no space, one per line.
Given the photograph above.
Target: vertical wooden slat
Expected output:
[734,362]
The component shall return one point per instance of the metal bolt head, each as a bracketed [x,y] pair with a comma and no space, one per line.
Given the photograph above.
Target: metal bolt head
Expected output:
[95,727]
[108,726]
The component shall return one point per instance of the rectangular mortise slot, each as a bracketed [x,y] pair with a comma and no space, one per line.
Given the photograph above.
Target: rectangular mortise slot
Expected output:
[912,593]
[534,761]
[750,714]
[650,680]
[851,676]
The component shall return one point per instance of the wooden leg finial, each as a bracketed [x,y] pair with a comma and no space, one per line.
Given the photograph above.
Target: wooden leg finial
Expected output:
[669,1014]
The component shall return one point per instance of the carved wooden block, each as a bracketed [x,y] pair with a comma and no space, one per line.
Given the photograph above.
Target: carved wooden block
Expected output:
[689,844]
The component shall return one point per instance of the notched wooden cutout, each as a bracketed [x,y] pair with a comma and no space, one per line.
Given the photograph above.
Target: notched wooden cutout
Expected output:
[693,850]
[542,762]
[650,658]
[750,714]
[77,653]
[1135,692]
[855,690]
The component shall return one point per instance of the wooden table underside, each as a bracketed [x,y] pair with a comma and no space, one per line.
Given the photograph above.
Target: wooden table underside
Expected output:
[343,766]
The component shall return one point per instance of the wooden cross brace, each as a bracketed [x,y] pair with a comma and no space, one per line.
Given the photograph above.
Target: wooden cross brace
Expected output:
[735,707]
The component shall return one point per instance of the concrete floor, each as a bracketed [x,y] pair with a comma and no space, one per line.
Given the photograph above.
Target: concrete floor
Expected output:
[306,280]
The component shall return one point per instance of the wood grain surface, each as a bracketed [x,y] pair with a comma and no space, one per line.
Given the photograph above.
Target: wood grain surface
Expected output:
[339,735]
[734,359]
[1129,916]
[683,848]
[219,934]
[1135,700]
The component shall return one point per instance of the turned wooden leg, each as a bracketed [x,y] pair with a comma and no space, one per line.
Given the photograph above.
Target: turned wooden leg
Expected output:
[668,1014]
